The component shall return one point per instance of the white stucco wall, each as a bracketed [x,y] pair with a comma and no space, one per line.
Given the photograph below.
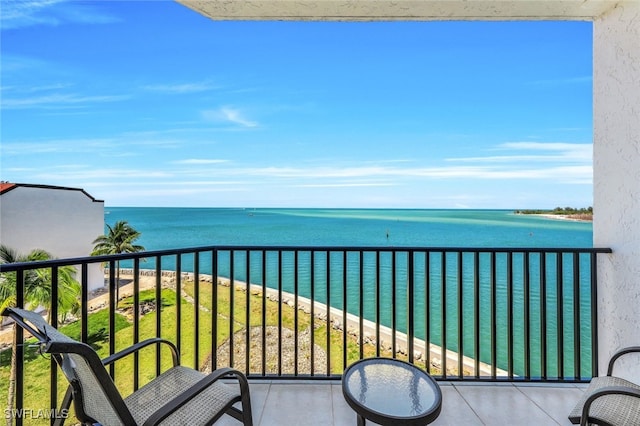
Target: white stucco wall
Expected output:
[64,222]
[616,111]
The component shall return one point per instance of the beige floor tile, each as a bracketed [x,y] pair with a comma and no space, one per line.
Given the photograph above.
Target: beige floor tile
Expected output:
[343,415]
[504,405]
[298,404]
[557,402]
[455,410]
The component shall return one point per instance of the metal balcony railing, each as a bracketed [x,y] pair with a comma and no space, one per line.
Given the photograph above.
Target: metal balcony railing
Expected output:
[513,314]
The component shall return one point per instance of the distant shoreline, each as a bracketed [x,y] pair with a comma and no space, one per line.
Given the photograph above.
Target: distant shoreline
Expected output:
[567,217]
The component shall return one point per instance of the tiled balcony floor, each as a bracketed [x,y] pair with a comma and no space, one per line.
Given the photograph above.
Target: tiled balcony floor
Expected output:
[279,403]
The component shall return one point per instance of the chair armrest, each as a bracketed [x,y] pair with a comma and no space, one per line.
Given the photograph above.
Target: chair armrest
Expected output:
[135,348]
[609,390]
[618,354]
[194,390]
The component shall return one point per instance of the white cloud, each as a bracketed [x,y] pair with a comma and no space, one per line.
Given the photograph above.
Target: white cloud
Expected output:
[33,89]
[229,115]
[200,161]
[181,88]
[27,13]
[547,146]
[549,152]
[99,174]
[343,185]
[58,100]
[28,148]
[100,146]
[326,176]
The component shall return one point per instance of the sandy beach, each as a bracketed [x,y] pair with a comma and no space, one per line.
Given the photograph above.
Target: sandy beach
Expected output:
[568,217]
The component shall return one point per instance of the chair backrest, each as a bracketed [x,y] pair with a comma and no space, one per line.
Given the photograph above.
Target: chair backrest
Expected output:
[95,396]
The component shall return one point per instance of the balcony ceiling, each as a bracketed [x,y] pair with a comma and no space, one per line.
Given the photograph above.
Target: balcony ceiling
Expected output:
[401,10]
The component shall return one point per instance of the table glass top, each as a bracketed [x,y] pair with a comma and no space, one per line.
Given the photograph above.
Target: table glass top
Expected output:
[391,388]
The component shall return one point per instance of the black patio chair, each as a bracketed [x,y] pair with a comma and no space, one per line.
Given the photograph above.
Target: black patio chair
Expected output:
[609,400]
[179,396]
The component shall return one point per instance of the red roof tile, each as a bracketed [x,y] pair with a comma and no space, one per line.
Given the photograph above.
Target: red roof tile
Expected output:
[5,186]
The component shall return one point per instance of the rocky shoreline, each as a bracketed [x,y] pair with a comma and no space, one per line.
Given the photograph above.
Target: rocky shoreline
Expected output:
[334,317]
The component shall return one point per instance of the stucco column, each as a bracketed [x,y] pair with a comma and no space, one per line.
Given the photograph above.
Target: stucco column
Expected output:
[616,163]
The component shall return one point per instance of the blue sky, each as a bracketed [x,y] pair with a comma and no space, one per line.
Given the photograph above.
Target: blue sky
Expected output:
[151,104]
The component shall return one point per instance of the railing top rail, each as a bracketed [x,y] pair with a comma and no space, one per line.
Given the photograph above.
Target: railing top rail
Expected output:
[393,249]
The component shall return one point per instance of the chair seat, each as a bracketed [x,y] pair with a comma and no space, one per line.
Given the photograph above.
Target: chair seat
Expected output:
[609,409]
[200,410]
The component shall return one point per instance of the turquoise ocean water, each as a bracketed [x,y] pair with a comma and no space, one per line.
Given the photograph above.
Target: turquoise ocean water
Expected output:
[165,228]
[169,228]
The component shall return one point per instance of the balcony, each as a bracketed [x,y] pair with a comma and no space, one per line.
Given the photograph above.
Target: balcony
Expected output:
[498,327]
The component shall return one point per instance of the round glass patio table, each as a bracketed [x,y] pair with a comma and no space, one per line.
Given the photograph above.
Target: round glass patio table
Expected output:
[391,392]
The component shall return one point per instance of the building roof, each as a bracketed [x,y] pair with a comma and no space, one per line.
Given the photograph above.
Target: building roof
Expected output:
[9,186]
[6,186]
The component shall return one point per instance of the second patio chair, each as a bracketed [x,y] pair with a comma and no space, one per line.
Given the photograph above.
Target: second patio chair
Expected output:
[609,400]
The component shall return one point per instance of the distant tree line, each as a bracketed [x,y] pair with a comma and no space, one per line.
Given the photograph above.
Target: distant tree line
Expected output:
[560,211]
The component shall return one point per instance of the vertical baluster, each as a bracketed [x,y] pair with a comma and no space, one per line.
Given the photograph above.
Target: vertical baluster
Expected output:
[136,321]
[232,294]
[394,320]
[361,306]
[279,312]
[178,302]
[543,314]
[510,366]
[427,311]
[460,316]
[576,316]
[328,308]
[443,312]
[112,313]
[295,312]
[527,307]
[410,305]
[196,310]
[312,296]
[53,320]
[158,310]
[84,303]
[594,314]
[214,310]
[264,311]
[476,311]
[377,303]
[494,317]
[344,309]
[247,319]
[560,311]
[19,349]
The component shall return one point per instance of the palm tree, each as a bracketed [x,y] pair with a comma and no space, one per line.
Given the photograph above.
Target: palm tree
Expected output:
[119,239]
[37,283]
[37,292]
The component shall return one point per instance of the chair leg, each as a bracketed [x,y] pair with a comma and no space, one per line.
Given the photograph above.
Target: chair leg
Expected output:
[64,407]
[247,417]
